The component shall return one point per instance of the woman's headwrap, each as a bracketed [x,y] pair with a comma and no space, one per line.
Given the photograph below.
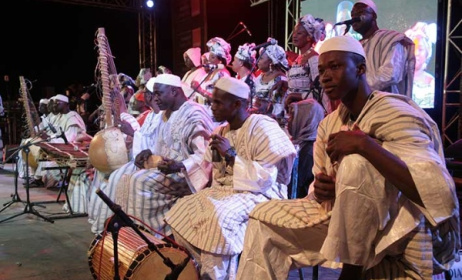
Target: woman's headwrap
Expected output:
[277,55]
[220,48]
[246,53]
[423,34]
[314,27]
[195,55]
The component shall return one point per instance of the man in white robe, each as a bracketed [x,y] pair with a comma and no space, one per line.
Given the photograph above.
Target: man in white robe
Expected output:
[383,202]
[390,54]
[72,125]
[252,164]
[178,136]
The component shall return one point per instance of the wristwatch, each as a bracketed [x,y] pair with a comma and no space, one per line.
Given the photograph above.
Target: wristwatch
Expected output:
[230,154]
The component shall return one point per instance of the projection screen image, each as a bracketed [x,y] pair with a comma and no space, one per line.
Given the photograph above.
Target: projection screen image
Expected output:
[416,18]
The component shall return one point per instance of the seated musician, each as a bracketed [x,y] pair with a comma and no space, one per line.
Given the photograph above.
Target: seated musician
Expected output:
[73,126]
[177,136]
[254,164]
[48,122]
[81,182]
[383,203]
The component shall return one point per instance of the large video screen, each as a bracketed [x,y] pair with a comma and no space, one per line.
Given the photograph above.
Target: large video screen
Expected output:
[416,18]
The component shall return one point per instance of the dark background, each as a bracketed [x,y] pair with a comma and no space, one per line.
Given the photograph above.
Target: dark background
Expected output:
[53,45]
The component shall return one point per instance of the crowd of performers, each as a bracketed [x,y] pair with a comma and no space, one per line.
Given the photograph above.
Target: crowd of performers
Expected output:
[214,158]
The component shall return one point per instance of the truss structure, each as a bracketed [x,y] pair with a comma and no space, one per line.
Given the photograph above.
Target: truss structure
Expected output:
[452,98]
[292,12]
[257,2]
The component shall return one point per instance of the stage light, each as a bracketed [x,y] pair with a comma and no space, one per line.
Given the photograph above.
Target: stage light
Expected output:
[150,3]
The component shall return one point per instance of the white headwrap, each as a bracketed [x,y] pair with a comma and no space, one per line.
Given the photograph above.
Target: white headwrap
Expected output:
[369,3]
[276,54]
[246,52]
[166,79]
[44,101]
[315,28]
[344,44]
[195,55]
[220,47]
[233,86]
[61,97]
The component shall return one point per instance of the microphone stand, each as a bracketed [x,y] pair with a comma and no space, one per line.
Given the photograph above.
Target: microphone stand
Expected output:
[29,207]
[232,36]
[121,219]
[15,196]
[199,85]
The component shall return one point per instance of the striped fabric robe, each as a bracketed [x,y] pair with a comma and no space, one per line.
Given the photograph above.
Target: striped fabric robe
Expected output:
[395,226]
[98,211]
[148,194]
[215,219]
[390,62]
[80,186]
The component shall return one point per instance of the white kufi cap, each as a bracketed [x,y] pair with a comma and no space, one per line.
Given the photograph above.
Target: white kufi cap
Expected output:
[343,44]
[44,101]
[369,3]
[166,79]
[61,97]
[233,86]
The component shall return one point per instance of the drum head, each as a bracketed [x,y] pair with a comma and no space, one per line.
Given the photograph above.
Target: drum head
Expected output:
[149,265]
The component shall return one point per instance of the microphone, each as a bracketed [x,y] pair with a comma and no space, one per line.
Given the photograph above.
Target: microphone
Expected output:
[270,41]
[52,128]
[246,29]
[115,208]
[63,136]
[213,66]
[351,21]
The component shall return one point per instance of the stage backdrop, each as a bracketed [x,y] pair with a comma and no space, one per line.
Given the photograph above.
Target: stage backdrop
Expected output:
[416,18]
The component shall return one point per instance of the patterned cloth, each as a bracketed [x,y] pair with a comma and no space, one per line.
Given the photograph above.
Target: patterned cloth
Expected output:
[392,220]
[220,48]
[390,62]
[215,219]
[263,91]
[302,76]
[148,194]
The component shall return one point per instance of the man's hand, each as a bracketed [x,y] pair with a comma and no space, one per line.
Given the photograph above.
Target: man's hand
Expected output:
[126,128]
[168,166]
[220,143]
[142,157]
[324,187]
[345,143]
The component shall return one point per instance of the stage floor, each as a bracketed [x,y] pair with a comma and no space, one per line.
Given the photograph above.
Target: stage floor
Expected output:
[33,249]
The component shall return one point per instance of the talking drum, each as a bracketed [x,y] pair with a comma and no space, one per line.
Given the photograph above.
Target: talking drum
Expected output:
[107,150]
[136,260]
